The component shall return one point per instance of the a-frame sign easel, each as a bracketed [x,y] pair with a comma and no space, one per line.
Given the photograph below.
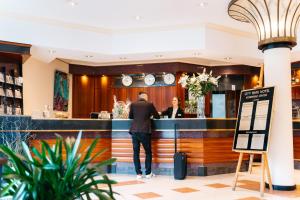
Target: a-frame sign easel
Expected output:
[265,170]
[252,130]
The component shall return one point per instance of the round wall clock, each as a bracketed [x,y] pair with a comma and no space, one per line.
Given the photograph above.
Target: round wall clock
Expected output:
[126,80]
[169,78]
[149,79]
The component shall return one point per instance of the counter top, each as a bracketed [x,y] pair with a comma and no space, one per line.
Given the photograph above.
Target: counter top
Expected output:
[124,124]
[26,123]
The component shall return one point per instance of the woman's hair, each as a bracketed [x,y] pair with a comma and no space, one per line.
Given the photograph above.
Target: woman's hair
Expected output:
[178,99]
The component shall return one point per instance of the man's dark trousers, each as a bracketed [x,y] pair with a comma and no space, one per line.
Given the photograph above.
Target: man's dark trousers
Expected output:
[145,140]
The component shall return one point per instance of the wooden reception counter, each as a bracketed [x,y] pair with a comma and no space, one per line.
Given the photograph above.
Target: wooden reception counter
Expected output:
[207,142]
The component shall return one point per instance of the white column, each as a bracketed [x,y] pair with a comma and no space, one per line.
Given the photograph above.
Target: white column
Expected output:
[277,71]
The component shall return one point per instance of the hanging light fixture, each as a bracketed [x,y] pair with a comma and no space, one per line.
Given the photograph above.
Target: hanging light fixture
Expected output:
[274,20]
[276,24]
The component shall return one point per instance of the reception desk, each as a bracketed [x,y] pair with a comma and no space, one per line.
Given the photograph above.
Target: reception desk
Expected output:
[207,142]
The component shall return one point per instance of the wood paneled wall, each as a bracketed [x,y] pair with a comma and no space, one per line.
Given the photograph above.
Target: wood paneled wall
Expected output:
[103,94]
[83,101]
[296,92]
[160,96]
[95,93]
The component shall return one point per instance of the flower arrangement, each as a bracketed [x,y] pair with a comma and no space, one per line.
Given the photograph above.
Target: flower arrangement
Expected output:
[190,106]
[199,85]
[120,109]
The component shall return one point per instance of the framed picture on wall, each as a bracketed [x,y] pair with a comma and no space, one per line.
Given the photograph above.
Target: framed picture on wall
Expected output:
[61,91]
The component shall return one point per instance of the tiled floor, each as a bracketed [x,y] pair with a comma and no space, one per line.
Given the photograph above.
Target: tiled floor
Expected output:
[197,188]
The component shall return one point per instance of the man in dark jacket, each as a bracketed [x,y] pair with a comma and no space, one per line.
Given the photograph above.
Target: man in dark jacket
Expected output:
[141,112]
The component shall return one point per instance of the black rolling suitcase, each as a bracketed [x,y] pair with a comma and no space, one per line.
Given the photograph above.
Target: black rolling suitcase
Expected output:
[180,160]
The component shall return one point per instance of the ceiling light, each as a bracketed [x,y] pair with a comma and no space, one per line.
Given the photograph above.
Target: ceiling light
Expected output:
[275,21]
[72,3]
[203,4]
[51,51]
[137,17]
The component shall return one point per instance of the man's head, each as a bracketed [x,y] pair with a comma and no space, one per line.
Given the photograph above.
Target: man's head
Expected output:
[143,95]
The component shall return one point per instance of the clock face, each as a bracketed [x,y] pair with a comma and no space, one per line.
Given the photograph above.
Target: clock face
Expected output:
[169,78]
[149,79]
[126,80]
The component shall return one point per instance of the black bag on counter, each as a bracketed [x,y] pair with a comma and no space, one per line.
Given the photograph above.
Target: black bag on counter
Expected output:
[180,160]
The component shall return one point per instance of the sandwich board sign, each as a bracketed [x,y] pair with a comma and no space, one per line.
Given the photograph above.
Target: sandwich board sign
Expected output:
[253,124]
[252,131]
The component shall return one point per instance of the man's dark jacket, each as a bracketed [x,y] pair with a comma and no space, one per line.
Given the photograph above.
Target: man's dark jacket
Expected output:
[141,112]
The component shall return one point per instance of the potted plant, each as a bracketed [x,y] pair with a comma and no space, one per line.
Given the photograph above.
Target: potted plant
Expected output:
[198,86]
[46,174]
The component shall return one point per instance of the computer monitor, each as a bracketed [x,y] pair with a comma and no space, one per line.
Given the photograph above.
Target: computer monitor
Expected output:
[94,115]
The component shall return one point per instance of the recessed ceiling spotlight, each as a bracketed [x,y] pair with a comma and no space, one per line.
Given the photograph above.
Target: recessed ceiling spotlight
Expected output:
[203,4]
[51,51]
[72,2]
[89,56]
[137,17]
[227,58]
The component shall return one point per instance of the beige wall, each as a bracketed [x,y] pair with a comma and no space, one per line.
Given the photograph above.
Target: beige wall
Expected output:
[39,85]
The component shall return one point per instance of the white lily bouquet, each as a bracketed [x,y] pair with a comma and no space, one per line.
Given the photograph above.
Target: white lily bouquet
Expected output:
[200,84]
[120,109]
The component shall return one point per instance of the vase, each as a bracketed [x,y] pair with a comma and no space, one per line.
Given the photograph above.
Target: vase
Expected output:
[201,107]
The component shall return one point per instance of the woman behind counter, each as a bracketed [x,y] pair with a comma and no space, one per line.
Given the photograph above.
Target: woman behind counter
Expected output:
[175,111]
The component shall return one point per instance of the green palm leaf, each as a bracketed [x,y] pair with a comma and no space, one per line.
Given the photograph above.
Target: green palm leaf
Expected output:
[46,175]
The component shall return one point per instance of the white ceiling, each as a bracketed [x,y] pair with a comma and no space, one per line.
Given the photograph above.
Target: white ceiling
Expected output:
[98,32]
[121,14]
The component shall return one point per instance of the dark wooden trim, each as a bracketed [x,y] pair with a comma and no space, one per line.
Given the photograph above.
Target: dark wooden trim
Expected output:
[10,58]
[173,67]
[296,64]
[15,44]
[81,70]
[15,48]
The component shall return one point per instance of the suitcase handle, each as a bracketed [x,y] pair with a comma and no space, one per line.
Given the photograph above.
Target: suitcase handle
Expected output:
[175,136]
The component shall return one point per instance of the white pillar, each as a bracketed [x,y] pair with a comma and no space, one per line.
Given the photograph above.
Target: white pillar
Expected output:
[277,71]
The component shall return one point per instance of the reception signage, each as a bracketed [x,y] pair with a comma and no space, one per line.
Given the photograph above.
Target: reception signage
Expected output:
[254,120]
